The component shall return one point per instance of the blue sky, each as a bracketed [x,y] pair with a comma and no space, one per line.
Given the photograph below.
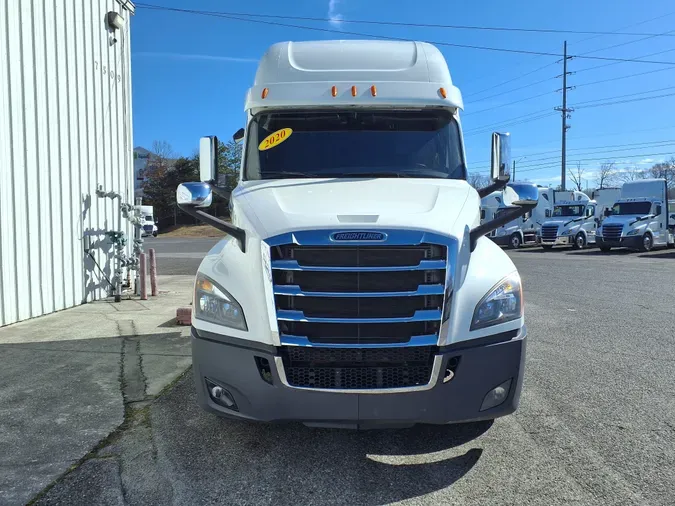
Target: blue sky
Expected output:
[190,73]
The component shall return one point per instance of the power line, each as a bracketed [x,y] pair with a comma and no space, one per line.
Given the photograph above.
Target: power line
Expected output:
[409,24]
[514,79]
[362,34]
[519,88]
[594,150]
[489,128]
[603,158]
[610,64]
[625,101]
[509,103]
[621,77]
[623,96]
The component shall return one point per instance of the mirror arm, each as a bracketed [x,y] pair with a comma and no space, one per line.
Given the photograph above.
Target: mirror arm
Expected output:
[513,213]
[221,192]
[238,233]
[497,184]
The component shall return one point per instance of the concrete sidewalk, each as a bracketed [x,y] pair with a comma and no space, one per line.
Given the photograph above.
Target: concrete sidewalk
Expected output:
[71,379]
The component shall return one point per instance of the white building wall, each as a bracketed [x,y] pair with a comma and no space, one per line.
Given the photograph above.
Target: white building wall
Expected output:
[65,127]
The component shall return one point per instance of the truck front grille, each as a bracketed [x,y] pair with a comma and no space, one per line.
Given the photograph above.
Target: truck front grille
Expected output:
[353,368]
[359,294]
[612,231]
[549,232]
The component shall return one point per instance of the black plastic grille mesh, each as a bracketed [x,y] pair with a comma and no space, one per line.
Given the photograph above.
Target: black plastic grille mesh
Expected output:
[345,368]
[359,307]
[361,256]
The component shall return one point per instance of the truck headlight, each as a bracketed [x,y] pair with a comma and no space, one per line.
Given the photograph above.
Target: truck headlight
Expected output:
[213,304]
[503,303]
[634,232]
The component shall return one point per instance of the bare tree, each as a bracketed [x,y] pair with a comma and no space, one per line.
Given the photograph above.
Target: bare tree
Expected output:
[606,175]
[628,174]
[478,180]
[577,176]
[665,170]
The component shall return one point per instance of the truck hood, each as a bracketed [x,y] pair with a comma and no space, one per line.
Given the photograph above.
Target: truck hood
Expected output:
[562,221]
[623,219]
[275,207]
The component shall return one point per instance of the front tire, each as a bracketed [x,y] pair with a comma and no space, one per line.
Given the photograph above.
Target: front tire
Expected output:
[579,241]
[647,242]
[515,241]
[154,234]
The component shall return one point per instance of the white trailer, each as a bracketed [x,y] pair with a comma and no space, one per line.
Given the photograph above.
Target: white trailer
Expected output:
[356,276]
[640,219]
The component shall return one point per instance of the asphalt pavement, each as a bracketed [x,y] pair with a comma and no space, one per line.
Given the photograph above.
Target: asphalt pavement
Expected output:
[179,255]
[595,425]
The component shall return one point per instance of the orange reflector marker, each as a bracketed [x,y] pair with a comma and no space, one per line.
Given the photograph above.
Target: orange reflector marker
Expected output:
[442,92]
[353,91]
[334,91]
[373,90]
[265,91]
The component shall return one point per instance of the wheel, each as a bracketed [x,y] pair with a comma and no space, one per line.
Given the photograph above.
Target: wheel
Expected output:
[547,246]
[514,241]
[605,249]
[647,242]
[579,241]
[154,234]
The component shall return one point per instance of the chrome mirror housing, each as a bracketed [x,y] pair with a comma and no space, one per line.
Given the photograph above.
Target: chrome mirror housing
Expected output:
[528,193]
[194,195]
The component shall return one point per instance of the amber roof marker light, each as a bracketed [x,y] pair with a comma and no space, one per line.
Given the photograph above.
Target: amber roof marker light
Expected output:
[354,90]
[333,91]
[373,90]
[443,93]
[265,91]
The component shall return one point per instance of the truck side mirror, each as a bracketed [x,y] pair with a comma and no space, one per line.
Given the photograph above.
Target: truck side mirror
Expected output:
[608,212]
[239,135]
[194,195]
[547,213]
[208,159]
[500,169]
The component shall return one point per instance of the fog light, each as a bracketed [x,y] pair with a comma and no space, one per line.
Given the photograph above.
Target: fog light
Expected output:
[496,396]
[221,396]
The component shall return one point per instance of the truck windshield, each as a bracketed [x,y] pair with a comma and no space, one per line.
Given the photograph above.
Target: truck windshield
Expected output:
[640,208]
[568,210]
[357,143]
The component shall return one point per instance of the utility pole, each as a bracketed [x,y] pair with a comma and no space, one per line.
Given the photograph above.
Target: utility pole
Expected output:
[513,172]
[564,110]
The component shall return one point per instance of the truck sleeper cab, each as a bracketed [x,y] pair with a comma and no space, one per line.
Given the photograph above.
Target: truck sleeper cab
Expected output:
[356,287]
[526,229]
[639,220]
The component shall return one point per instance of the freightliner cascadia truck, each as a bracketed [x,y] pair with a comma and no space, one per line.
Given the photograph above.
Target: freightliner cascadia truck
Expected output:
[355,286]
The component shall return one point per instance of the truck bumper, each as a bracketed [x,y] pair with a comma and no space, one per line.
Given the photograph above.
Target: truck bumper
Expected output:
[559,241]
[483,365]
[633,242]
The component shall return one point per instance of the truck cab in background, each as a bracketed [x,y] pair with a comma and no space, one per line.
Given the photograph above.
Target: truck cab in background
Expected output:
[574,222]
[149,225]
[490,204]
[639,219]
[355,287]
[526,229]
[605,199]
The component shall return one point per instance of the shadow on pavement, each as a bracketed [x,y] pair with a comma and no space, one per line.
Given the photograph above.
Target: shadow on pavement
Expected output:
[665,254]
[238,462]
[597,252]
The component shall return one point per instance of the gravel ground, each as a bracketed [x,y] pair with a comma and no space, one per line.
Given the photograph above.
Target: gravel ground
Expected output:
[595,426]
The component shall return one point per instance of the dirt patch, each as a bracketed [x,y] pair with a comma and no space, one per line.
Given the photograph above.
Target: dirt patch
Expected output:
[192,231]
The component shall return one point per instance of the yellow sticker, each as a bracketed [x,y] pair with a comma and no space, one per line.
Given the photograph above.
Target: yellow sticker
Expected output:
[275,138]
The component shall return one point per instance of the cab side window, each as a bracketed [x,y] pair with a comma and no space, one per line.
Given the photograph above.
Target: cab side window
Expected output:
[657,212]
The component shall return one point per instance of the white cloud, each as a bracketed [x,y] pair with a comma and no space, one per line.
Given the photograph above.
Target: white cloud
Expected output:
[335,17]
[183,56]
[646,160]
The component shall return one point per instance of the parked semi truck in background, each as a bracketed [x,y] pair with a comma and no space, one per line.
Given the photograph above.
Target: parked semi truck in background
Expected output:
[574,221]
[526,229]
[149,225]
[355,286]
[604,199]
[639,219]
[490,204]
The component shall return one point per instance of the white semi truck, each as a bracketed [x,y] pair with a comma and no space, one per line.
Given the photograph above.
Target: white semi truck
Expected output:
[149,225]
[574,221]
[355,286]
[639,220]
[526,229]
[490,204]
[604,199]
